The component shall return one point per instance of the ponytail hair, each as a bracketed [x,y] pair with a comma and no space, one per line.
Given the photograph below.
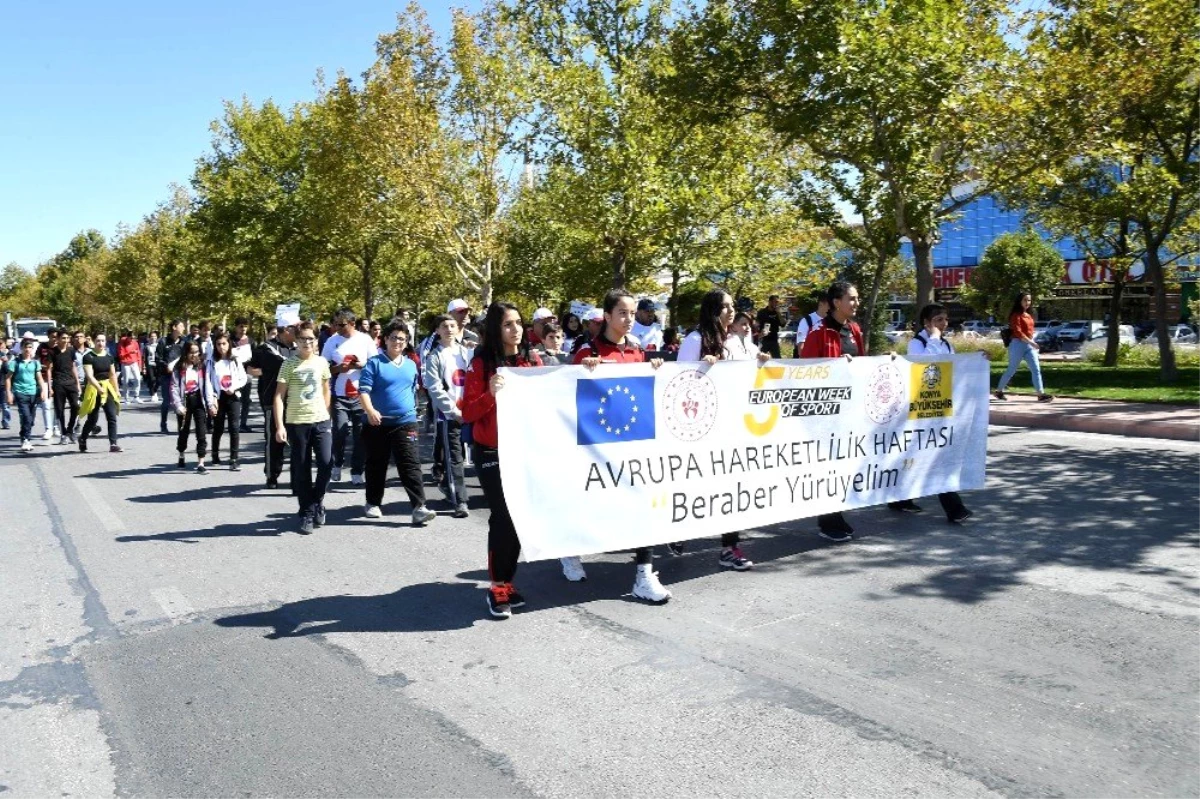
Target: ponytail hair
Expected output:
[712,336]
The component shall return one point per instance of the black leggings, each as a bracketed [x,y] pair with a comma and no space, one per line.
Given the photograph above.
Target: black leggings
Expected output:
[194,411]
[504,548]
[63,395]
[229,410]
[91,425]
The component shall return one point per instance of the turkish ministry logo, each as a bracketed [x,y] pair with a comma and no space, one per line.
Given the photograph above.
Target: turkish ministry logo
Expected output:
[690,403]
[615,409]
[885,394]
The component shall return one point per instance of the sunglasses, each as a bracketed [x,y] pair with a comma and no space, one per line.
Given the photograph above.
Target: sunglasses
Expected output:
[306,340]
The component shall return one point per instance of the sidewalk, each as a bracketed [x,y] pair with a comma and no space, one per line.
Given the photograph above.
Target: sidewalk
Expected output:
[1138,419]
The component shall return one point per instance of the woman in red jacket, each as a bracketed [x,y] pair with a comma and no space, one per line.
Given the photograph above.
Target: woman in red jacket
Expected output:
[838,335]
[501,346]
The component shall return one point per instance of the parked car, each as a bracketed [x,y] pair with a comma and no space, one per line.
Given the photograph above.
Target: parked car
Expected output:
[1078,331]
[1180,334]
[1099,340]
[978,326]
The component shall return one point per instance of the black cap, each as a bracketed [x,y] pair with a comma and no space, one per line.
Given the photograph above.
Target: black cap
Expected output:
[646,304]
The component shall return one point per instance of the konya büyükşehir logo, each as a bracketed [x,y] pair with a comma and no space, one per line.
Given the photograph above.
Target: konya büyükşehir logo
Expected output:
[615,409]
[931,390]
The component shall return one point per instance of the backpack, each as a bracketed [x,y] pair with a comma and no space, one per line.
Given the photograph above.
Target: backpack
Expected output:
[1006,335]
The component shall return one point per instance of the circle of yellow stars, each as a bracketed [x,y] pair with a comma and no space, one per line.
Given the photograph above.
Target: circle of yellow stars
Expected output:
[616,431]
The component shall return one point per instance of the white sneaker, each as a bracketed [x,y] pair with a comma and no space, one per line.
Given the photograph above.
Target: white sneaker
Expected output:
[336,475]
[646,586]
[573,569]
[142,400]
[372,512]
[422,516]
[357,480]
[49,434]
[26,445]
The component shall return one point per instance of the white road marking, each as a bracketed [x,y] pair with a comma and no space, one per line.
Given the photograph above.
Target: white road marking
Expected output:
[103,512]
[173,603]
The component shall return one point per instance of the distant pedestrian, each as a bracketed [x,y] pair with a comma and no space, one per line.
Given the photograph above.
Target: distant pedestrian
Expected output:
[769,323]
[1022,347]
[811,322]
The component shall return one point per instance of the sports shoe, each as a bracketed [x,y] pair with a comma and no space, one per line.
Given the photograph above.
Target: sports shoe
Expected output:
[1000,395]
[515,600]
[960,517]
[180,463]
[245,429]
[906,506]
[835,535]
[62,440]
[357,480]
[1045,398]
[306,524]
[71,438]
[646,586]
[234,466]
[200,468]
[26,445]
[422,516]
[461,511]
[675,548]
[319,516]
[216,459]
[162,429]
[335,476]
[497,599]
[573,569]
[49,434]
[372,511]
[115,448]
[82,445]
[732,558]
[272,482]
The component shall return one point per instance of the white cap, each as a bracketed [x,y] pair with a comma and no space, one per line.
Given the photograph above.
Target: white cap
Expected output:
[458,305]
[543,313]
[594,315]
[28,336]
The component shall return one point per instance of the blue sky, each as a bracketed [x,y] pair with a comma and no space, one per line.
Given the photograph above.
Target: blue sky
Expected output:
[106,104]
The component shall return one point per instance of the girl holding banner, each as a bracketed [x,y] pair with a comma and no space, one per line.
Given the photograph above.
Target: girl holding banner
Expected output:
[501,346]
[707,343]
[614,344]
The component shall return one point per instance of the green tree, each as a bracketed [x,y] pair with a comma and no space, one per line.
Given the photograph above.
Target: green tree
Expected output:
[1117,81]
[1013,262]
[909,97]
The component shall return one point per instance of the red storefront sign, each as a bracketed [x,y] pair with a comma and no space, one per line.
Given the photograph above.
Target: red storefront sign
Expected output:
[951,277]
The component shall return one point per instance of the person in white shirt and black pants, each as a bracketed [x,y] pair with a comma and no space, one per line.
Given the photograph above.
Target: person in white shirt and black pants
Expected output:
[931,340]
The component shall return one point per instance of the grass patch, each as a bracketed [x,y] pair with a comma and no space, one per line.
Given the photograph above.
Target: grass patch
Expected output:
[1127,383]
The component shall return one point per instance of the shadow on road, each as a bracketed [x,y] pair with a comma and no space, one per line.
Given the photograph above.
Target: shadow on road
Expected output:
[275,524]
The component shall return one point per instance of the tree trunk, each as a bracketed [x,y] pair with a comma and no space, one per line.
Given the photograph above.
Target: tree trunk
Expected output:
[618,265]
[867,320]
[485,288]
[923,257]
[368,284]
[1166,352]
[673,300]
[1114,320]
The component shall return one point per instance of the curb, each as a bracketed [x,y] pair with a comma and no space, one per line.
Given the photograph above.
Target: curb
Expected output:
[1174,431]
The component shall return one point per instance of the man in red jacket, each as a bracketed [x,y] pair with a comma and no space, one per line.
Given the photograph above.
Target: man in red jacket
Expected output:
[129,355]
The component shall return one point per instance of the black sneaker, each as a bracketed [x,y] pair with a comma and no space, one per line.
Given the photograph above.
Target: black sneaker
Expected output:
[180,463]
[675,548]
[245,429]
[515,600]
[1000,395]
[306,525]
[163,429]
[319,517]
[216,459]
[497,599]
[1045,398]
[200,468]
[837,536]
[960,517]
[234,466]
[82,445]
[906,506]
[272,482]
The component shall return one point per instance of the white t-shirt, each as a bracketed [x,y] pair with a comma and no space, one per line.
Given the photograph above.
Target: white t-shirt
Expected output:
[807,325]
[936,346]
[689,349]
[740,349]
[339,350]
[649,336]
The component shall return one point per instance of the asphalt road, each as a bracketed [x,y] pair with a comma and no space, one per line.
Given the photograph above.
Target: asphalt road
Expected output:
[164,633]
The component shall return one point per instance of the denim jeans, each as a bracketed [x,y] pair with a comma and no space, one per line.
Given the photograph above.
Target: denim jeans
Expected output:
[26,410]
[348,420]
[1022,351]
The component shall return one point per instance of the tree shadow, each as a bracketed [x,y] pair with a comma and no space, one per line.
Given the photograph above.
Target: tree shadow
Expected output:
[274,525]
[203,492]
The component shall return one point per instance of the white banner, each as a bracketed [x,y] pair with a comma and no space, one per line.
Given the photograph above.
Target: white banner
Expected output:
[627,456]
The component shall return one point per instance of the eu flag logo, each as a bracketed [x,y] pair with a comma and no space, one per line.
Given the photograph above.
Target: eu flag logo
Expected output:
[618,409]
